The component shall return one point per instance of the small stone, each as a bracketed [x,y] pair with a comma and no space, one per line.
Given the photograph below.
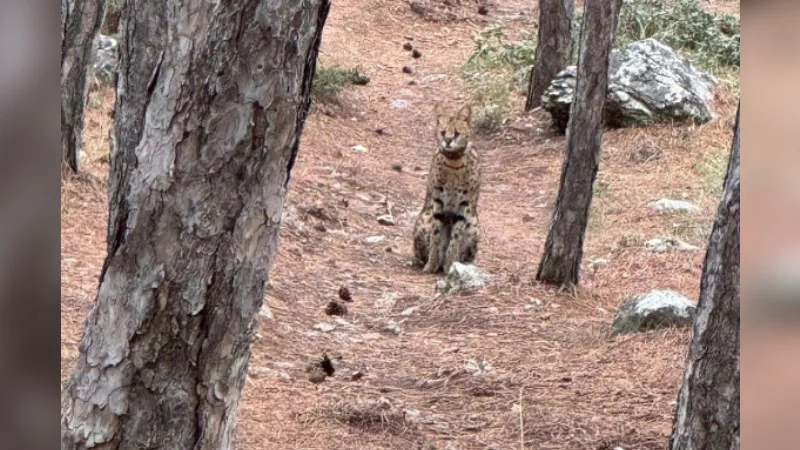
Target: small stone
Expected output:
[357,375]
[412,82]
[409,311]
[359,79]
[335,308]
[387,300]
[661,245]
[374,239]
[359,148]
[416,54]
[397,167]
[534,304]
[412,415]
[370,337]
[669,205]
[527,218]
[344,294]
[400,104]
[387,220]
[325,327]
[463,276]
[408,69]
[655,309]
[265,312]
[483,10]
[380,131]
[493,310]
[392,327]
[477,368]
[408,47]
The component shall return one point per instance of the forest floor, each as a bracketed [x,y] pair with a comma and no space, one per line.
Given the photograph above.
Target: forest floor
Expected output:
[557,381]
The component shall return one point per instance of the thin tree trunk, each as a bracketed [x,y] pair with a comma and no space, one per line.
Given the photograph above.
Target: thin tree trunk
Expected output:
[707,416]
[563,250]
[212,98]
[554,48]
[80,20]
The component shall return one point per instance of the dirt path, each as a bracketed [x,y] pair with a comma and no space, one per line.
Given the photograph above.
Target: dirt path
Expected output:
[578,389]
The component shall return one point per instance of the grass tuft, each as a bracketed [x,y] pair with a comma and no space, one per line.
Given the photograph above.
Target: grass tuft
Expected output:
[329,82]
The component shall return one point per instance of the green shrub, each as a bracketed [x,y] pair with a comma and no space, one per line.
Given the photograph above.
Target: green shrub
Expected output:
[710,40]
[494,52]
[330,81]
[496,68]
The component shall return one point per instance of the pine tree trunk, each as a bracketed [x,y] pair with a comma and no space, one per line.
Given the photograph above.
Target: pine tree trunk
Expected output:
[554,48]
[80,20]
[707,415]
[560,263]
[212,98]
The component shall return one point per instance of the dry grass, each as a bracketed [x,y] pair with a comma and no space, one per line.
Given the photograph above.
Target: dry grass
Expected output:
[557,381]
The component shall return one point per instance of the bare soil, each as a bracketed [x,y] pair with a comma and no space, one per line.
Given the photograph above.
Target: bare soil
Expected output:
[557,381]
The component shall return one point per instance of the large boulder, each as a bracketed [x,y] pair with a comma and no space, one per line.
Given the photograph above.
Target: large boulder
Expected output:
[104,61]
[648,83]
[655,309]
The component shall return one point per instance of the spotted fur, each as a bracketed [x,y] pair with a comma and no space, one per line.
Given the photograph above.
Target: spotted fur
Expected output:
[446,230]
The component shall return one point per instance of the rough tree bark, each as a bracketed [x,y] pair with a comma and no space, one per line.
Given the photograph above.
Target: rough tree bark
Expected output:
[80,21]
[212,98]
[563,250]
[707,416]
[554,50]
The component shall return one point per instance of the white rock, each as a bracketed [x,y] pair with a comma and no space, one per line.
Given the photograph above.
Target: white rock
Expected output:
[392,327]
[400,104]
[371,336]
[412,415]
[387,300]
[463,276]
[386,220]
[409,311]
[655,309]
[374,239]
[359,148]
[661,245]
[648,82]
[325,327]
[265,312]
[669,205]
[477,368]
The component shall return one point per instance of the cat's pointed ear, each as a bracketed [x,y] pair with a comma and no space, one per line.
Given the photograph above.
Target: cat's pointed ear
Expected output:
[465,114]
[437,113]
